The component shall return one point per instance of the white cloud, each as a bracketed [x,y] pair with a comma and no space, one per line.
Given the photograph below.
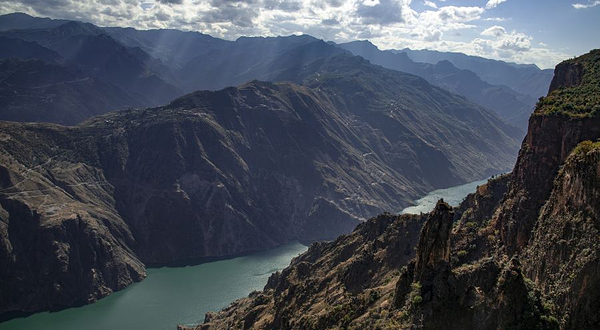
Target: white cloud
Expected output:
[586,5]
[494,31]
[493,3]
[382,12]
[495,19]
[387,23]
[430,4]
[503,41]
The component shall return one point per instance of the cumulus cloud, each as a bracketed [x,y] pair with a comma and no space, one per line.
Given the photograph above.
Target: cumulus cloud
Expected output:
[285,5]
[495,19]
[493,3]
[503,43]
[177,2]
[383,12]
[494,31]
[459,14]
[586,5]
[387,23]
[430,4]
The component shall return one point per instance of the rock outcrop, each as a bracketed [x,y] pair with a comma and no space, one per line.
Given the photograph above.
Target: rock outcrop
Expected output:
[563,119]
[566,75]
[545,148]
[563,256]
[430,269]
[434,243]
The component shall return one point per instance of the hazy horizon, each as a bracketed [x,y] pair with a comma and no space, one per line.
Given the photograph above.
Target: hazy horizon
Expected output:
[497,29]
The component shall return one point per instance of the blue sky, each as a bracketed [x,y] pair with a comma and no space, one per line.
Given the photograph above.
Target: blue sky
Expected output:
[524,31]
[556,25]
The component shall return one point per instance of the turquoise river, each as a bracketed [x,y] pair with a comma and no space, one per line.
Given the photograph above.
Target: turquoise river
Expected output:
[182,295]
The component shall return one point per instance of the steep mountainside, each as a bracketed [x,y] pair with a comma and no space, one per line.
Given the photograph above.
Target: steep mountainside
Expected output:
[173,47]
[35,90]
[136,79]
[89,48]
[375,89]
[523,78]
[567,116]
[522,253]
[27,50]
[221,173]
[345,283]
[367,280]
[513,107]
[247,59]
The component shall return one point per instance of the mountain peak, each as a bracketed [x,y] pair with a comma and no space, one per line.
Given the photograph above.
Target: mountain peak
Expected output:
[19,21]
[76,27]
[575,88]
[16,15]
[363,45]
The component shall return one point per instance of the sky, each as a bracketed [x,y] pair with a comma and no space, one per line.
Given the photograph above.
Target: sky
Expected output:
[543,32]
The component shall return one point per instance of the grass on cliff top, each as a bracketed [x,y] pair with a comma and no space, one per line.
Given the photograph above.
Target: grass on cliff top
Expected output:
[577,101]
[584,147]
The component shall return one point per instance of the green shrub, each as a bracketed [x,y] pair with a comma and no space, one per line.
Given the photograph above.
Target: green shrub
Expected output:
[373,296]
[417,300]
[585,147]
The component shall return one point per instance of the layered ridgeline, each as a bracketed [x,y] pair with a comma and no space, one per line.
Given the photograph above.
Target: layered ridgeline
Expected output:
[526,79]
[65,72]
[522,252]
[84,208]
[512,106]
[115,68]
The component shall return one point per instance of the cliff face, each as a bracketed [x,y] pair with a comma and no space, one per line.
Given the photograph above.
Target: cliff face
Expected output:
[566,75]
[61,244]
[564,252]
[566,117]
[523,250]
[430,269]
[548,142]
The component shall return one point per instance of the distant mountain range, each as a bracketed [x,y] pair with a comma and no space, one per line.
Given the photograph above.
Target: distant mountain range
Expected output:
[523,78]
[511,105]
[152,67]
[116,76]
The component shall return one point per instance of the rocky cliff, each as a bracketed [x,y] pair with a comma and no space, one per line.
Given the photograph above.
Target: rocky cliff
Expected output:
[564,252]
[522,252]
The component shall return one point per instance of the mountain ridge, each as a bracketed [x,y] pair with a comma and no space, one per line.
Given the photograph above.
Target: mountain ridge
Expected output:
[519,77]
[513,107]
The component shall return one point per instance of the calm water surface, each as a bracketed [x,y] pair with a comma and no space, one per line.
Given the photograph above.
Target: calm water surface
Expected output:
[169,296]
[452,196]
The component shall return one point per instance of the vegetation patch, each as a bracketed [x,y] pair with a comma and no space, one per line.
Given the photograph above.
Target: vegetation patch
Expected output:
[582,100]
[584,147]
